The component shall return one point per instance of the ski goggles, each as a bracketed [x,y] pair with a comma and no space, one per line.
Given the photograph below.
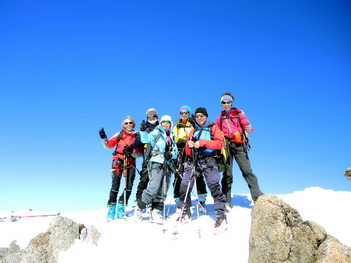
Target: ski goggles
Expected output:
[184,112]
[200,115]
[166,122]
[226,102]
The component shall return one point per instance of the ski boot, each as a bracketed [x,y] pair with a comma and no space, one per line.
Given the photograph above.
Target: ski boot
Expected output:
[120,211]
[138,214]
[221,221]
[185,217]
[156,216]
[202,205]
[111,213]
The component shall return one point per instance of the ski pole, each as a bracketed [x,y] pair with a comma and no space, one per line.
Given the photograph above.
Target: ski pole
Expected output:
[196,198]
[189,181]
[125,183]
[164,188]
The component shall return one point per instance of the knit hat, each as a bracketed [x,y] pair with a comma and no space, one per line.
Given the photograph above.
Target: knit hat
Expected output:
[201,110]
[185,108]
[167,118]
[128,119]
[151,112]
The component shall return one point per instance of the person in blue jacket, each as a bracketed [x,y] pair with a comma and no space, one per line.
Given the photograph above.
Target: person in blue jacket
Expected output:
[151,123]
[163,152]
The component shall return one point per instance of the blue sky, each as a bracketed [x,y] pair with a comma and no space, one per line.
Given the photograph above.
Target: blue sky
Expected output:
[68,68]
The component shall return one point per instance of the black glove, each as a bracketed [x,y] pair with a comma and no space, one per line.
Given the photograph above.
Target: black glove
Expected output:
[128,150]
[167,155]
[102,134]
[180,144]
[143,126]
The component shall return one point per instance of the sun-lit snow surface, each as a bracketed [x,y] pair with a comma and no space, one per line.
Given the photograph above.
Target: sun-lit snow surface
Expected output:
[130,240]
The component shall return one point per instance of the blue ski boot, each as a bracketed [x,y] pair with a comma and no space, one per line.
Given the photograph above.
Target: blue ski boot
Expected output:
[120,211]
[202,204]
[111,213]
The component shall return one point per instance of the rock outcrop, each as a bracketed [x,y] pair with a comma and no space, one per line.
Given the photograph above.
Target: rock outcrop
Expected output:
[45,247]
[278,234]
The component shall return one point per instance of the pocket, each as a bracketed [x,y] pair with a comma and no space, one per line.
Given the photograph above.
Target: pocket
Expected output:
[238,137]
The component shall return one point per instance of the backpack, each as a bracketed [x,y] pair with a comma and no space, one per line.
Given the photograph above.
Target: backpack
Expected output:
[148,148]
[240,137]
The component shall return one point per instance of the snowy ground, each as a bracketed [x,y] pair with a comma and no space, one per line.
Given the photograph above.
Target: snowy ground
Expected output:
[129,240]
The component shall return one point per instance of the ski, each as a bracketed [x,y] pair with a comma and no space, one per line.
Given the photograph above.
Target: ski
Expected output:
[14,218]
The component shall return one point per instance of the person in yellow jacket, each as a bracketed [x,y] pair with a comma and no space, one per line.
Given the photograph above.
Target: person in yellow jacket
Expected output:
[181,131]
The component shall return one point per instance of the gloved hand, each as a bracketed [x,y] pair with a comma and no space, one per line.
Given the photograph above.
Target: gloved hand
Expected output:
[102,134]
[167,155]
[143,126]
[180,144]
[128,150]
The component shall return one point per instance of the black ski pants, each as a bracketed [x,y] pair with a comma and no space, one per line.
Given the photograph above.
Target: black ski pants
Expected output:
[116,182]
[144,179]
[236,151]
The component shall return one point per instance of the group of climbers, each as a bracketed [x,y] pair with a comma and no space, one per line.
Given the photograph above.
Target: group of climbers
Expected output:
[189,150]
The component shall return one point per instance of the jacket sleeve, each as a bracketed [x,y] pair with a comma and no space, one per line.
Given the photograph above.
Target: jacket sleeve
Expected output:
[245,123]
[187,149]
[110,143]
[146,137]
[216,143]
[137,141]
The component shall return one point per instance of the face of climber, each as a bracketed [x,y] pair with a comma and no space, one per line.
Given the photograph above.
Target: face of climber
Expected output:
[200,119]
[227,105]
[166,125]
[152,119]
[128,125]
[184,115]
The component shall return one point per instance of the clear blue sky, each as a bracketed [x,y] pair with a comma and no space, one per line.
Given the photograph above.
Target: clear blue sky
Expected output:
[69,67]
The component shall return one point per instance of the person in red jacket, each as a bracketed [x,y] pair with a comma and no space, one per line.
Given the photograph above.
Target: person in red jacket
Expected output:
[235,127]
[201,147]
[127,148]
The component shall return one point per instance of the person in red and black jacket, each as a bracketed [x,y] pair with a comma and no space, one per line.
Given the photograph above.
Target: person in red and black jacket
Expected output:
[127,145]
[235,127]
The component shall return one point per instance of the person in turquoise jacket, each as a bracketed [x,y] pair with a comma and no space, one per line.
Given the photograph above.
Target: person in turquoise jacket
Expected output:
[163,152]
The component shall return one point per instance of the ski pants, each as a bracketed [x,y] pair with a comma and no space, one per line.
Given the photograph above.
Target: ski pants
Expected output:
[144,179]
[116,182]
[200,186]
[209,169]
[236,151]
[200,183]
[156,191]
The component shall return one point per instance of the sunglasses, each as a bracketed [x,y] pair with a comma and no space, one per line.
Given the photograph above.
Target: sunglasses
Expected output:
[166,122]
[184,112]
[226,102]
[130,123]
[199,115]
[152,116]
